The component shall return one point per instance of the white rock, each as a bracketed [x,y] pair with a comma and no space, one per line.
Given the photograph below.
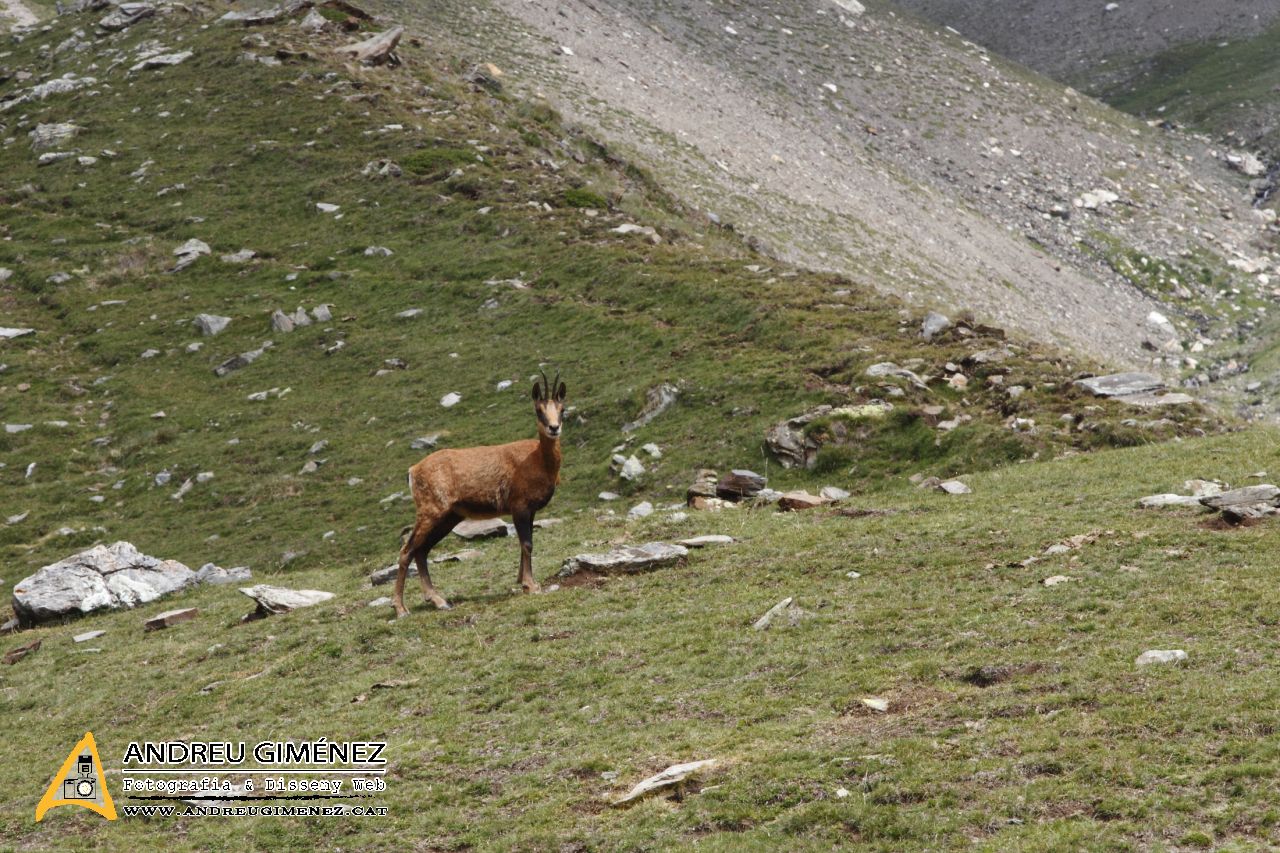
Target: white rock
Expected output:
[954,487]
[673,775]
[833,493]
[1056,579]
[1154,656]
[192,247]
[632,469]
[640,510]
[1156,501]
[653,450]
[875,703]
[451,399]
[324,207]
[7,333]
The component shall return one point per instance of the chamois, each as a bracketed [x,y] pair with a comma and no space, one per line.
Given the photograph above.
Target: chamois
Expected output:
[515,479]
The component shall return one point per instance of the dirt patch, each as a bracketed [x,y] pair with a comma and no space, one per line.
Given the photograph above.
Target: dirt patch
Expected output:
[1221,522]
[582,578]
[987,675]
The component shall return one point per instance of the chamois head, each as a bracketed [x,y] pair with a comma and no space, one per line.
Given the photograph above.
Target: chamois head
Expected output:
[548,405]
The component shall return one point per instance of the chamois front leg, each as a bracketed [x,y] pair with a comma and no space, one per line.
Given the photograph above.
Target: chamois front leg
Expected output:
[524,530]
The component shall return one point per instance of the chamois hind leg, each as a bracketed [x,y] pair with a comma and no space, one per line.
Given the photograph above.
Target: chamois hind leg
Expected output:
[441,529]
[524,529]
[408,545]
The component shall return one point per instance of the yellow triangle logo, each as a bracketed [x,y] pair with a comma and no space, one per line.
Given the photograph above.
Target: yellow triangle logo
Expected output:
[80,782]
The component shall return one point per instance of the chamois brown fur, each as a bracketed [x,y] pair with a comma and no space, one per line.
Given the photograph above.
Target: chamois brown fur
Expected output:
[515,479]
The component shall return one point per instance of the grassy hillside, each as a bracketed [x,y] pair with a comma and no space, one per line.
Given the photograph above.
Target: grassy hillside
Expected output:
[515,706]
[1222,87]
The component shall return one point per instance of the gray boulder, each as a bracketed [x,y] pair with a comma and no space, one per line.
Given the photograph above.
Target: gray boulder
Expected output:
[47,136]
[1121,384]
[126,15]
[101,578]
[211,324]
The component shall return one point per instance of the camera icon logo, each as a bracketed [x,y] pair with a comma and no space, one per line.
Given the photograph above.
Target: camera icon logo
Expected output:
[83,788]
[80,782]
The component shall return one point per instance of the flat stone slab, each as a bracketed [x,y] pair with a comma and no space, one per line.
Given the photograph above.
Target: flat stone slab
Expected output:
[101,578]
[796,501]
[708,539]
[7,333]
[1121,384]
[87,636]
[1158,501]
[1265,493]
[273,600]
[628,559]
[489,528]
[170,617]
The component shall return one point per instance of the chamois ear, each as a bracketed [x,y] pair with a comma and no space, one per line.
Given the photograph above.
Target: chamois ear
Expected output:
[537,393]
[560,393]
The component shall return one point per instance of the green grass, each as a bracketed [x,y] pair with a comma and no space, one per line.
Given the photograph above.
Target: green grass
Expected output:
[516,704]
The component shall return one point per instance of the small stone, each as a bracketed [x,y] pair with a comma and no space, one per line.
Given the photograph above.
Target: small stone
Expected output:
[1056,579]
[451,399]
[853,576]
[632,469]
[608,496]
[934,324]
[800,500]
[784,609]
[281,322]
[378,251]
[425,442]
[87,636]
[640,510]
[325,207]
[954,487]
[875,703]
[707,539]
[215,575]
[382,601]
[321,314]
[833,493]
[652,450]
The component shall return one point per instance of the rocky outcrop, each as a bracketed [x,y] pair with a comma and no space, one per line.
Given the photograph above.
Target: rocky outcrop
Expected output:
[102,578]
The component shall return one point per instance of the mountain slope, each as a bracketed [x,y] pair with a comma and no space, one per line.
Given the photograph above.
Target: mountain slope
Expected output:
[1079,39]
[901,156]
